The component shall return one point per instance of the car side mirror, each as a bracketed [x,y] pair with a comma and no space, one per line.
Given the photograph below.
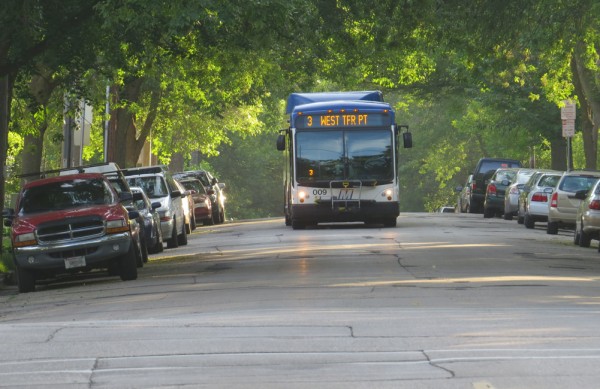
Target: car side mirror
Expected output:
[133,214]
[175,194]
[458,189]
[407,139]
[221,185]
[155,205]
[581,194]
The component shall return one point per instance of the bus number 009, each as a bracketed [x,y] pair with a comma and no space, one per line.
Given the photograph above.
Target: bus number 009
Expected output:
[319,192]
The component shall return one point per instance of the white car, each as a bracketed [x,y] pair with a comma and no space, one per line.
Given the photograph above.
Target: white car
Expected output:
[511,195]
[535,196]
[161,187]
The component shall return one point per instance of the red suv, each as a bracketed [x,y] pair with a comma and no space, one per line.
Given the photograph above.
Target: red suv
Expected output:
[68,224]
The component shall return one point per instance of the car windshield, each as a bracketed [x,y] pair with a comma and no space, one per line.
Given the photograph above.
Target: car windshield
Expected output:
[65,195]
[576,183]
[193,185]
[154,186]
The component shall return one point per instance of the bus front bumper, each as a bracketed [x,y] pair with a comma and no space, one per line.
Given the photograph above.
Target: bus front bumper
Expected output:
[364,211]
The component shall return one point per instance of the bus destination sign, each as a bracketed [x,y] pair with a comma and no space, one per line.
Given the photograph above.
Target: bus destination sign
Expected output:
[343,120]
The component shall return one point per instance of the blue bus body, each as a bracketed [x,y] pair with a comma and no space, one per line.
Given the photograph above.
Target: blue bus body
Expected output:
[341,157]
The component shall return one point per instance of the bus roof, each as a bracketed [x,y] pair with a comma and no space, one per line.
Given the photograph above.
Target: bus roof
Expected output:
[296,99]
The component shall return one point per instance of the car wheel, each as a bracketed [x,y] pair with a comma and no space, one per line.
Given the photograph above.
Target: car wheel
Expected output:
[128,264]
[182,239]
[508,216]
[552,228]
[585,239]
[194,225]
[528,221]
[488,213]
[172,243]
[25,280]
[139,257]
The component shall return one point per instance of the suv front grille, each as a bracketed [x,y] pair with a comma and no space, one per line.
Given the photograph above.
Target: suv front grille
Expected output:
[70,229]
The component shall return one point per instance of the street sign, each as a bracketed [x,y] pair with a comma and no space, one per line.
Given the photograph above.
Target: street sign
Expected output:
[568,128]
[568,111]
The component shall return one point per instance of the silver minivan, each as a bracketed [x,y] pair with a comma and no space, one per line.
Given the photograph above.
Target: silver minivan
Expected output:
[160,187]
[563,205]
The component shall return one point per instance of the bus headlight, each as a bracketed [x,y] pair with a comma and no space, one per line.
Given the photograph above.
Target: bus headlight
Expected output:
[388,193]
[302,196]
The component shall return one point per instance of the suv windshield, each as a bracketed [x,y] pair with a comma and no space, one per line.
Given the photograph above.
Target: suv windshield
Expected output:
[64,195]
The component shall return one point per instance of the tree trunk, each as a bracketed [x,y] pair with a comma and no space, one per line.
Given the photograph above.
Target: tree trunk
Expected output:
[40,88]
[587,89]
[125,143]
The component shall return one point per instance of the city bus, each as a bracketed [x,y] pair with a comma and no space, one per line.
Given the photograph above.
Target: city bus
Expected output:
[341,159]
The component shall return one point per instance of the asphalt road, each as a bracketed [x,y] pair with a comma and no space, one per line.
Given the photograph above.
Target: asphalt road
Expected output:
[441,301]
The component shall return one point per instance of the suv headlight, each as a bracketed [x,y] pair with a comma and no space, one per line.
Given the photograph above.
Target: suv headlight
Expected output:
[27,239]
[116,226]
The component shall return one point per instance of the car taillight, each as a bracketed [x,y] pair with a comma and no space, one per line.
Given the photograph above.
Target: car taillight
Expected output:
[514,190]
[594,204]
[541,197]
[554,200]
[491,190]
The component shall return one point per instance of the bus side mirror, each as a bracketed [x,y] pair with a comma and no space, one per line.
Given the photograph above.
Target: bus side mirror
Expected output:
[281,142]
[407,138]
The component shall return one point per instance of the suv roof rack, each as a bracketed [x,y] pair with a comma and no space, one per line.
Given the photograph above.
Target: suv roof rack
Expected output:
[145,170]
[112,168]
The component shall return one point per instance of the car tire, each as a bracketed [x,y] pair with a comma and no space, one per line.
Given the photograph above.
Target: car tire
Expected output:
[488,213]
[172,243]
[585,239]
[128,264]
[520,219]
[528,221]
[182,239]
[297,225]
[25,280]
[576,236]
[508,216]
[194,225]
[552,228]
[139,257]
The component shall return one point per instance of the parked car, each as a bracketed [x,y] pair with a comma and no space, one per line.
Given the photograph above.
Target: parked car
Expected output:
[464,195]
[483,172]
[535,196]
[115,176]
[151,219]
[587,222]
[70,224]
[201,197]
[511,194]
[446,209]
[494,195]
[563,206]
[188,208]
[160,186]
[217,198]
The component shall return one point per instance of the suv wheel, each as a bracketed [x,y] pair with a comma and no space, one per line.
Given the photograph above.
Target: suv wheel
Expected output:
[128,264]
[552,228]
[488,213]
[25,280]
[528,221]
[585,239]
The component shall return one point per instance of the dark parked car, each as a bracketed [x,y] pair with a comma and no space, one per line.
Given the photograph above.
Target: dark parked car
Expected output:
[150,218]
[217,198]
[496,188]
[483,172]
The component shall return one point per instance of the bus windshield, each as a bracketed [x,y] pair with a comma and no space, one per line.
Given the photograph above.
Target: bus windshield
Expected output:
[344,155]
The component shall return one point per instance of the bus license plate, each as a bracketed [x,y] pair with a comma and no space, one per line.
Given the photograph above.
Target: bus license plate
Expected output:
[74,262]
[346,194]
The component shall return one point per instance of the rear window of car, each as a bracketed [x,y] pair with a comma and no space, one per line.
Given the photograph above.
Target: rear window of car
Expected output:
[486,166]
[507,175]
[549,181]
[62,195]
[154,186]
[574,183]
